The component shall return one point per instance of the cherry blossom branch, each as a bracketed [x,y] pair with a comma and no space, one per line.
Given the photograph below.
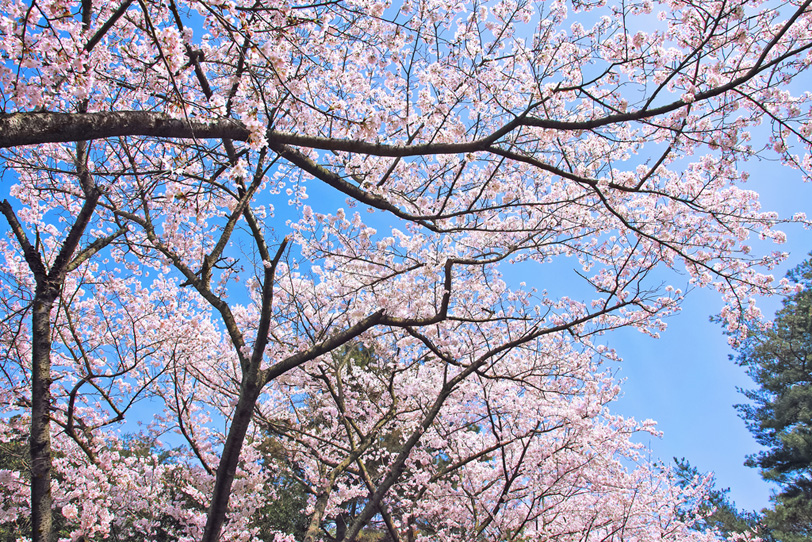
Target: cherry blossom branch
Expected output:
[88,252]
[100,33]
[181,408]
[354,455]
[387,517]
[399,464]
[240,209]
[297,158]
[29,128]
[32,256]
[237,338]
[509,478]
[49,127]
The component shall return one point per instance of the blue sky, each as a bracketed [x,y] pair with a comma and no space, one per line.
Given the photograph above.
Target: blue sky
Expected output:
[685,381]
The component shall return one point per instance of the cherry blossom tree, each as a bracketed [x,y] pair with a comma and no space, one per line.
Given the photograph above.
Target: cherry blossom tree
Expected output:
[41,294]
[179,169]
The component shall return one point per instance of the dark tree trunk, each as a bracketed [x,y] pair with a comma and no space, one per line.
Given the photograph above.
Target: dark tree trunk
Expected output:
[49,286]
[40,438]
[227,469]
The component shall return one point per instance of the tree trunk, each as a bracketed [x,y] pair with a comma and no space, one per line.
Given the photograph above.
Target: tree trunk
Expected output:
[227,469]
[40,438]
[49,286]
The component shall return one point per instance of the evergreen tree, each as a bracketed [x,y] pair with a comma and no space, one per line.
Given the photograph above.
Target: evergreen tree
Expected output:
[779,360]
[721,513]
[790,519]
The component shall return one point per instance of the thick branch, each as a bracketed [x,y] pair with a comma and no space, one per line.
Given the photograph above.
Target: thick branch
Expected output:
[97,37]
[303,162]
[329,344]
[32,257]
[47,127]
[267,305]
[94,247]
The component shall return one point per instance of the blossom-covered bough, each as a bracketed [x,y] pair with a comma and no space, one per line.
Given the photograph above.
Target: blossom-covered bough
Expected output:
[178,254]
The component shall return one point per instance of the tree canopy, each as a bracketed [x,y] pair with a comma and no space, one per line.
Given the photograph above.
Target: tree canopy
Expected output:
[274,232]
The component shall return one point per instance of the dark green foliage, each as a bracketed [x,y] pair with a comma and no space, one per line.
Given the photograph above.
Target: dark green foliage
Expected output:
[14,457]
[780,417]
[720,512]
[287,513]
[780,362]
[791,518]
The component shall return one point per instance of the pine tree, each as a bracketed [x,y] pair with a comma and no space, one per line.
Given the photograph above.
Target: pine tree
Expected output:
[779,360]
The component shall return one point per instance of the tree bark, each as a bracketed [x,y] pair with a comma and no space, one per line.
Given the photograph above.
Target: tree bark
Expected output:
[227,469]
[40,438]
[49,286]
[48,127]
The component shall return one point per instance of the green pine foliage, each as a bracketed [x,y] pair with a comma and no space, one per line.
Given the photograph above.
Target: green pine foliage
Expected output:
[720,513]
[790,519]
[779,360]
